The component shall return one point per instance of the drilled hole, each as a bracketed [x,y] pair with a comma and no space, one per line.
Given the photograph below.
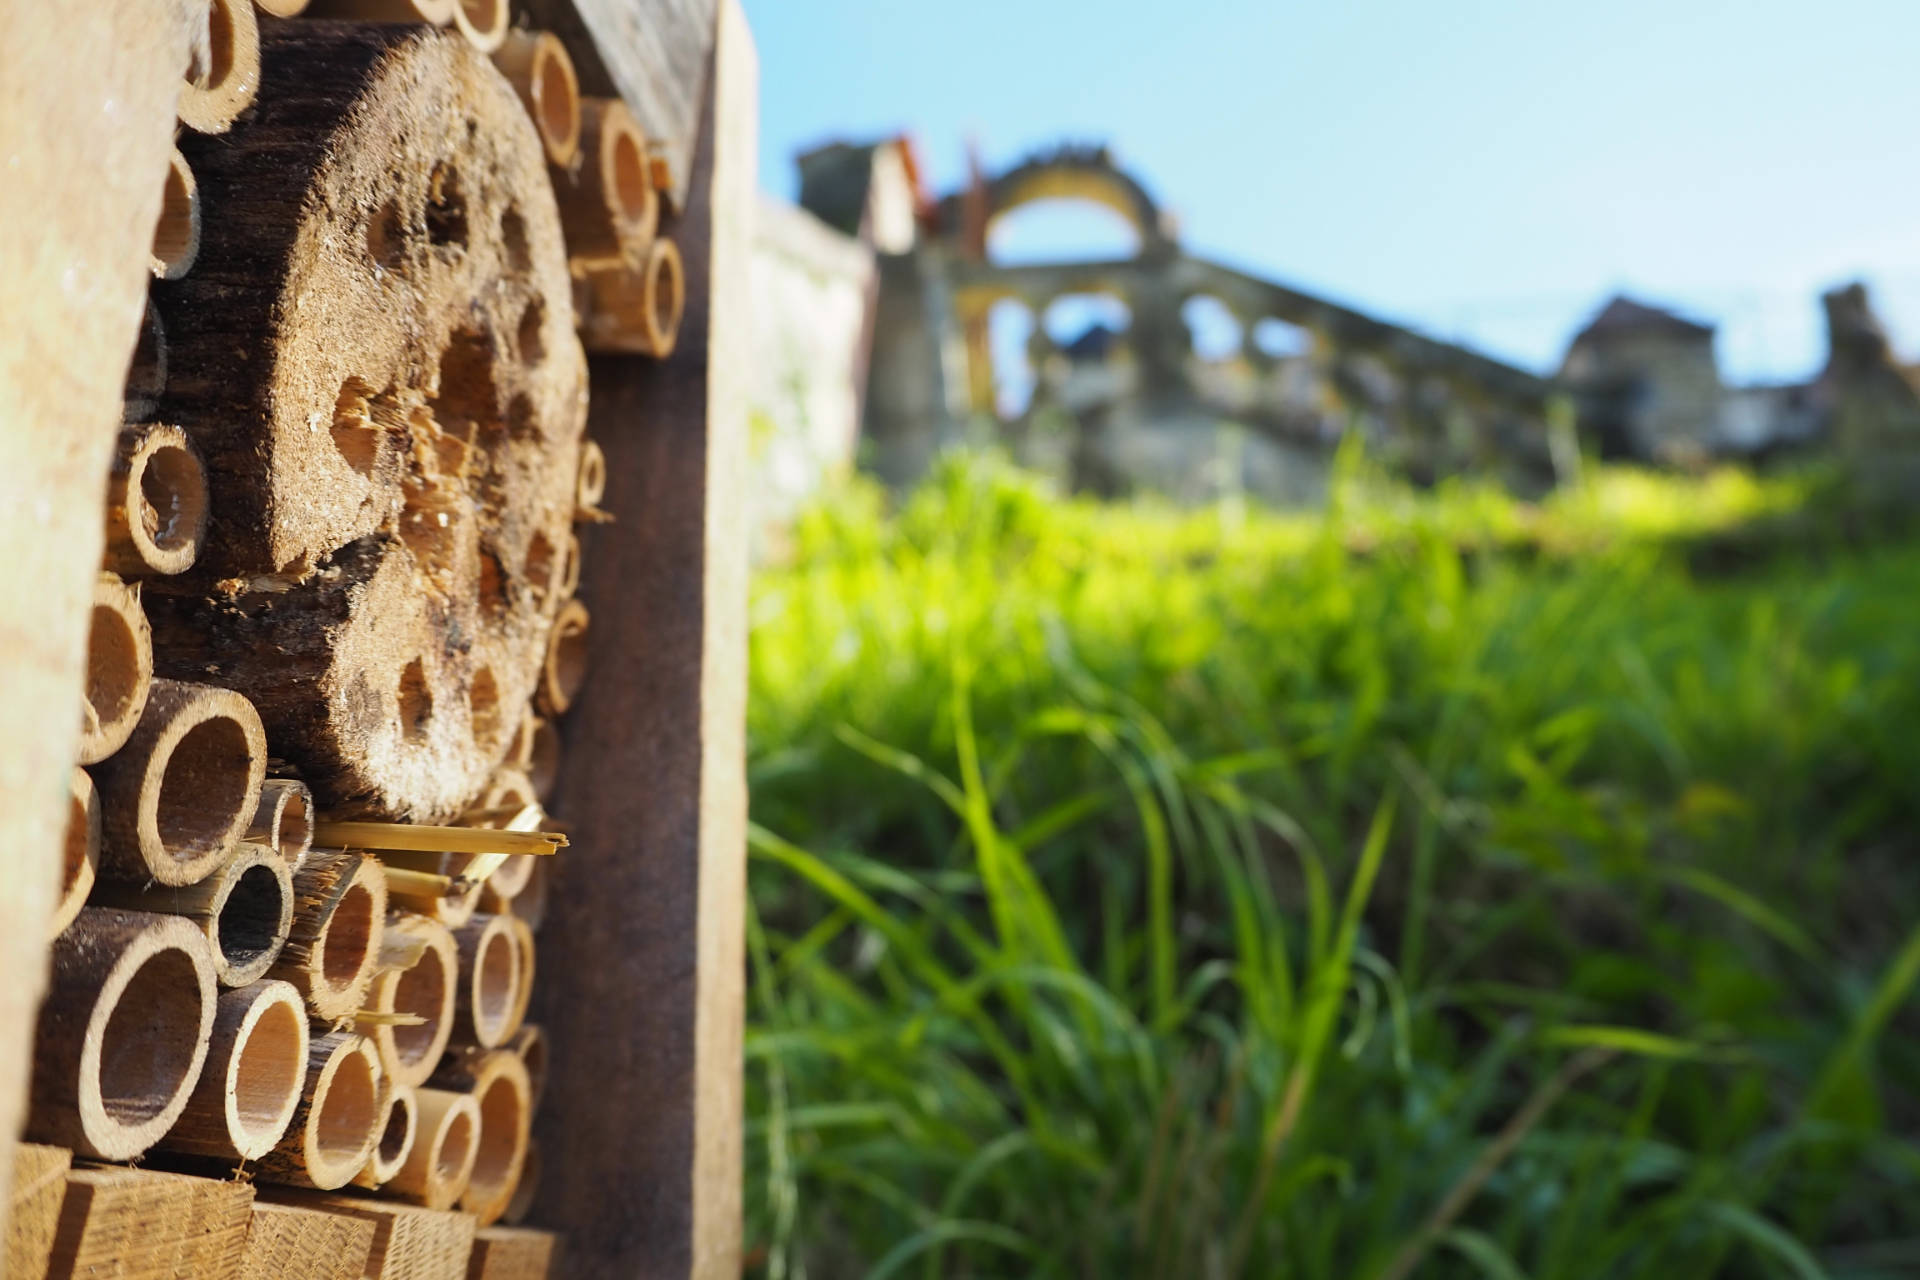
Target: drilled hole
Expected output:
[446,207]
[533,348]
[387,236]
[355,433]
[427,529]
[538,569]
[483,698]
[416,701]
[513,235]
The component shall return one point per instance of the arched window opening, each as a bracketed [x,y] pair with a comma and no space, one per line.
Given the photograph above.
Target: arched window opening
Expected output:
[1087,326]
[1212,328]
[1278,340]
[1066,229]
[1009,333]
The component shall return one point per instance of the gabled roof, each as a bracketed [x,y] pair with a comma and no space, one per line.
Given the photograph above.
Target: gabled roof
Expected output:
[1624,315]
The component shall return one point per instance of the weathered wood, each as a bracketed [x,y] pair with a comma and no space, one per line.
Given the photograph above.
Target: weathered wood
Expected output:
[119,669]
[100,83]
[176,237]
[653,53]
[135,1222]
[409,1242]
[38,1185]
[82,844]
[222,82]
[645,1094]
[244,910]
[512,1253]
[292,1242]
[283,821]
[333,946]
[122,1034]
[156,493]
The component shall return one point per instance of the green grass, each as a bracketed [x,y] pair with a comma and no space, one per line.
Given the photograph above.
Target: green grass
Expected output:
[1448,887]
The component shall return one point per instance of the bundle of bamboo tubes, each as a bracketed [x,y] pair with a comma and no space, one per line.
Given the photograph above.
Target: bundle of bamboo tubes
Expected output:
[306,862]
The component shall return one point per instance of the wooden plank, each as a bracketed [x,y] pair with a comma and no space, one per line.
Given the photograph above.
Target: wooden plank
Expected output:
[38,1187]
[292,1242]
[87,97]
[138,1223]
[642,1117]
[512,1253]
[653,53]
[409,1242]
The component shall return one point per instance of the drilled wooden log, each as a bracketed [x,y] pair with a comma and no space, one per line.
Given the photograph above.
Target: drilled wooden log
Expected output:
[497,1081]
[156,497]
[223,83]
[333,946]
[399,1128]
[81,862]
[119,669]
[337,1123]
[393,471]
[435,1172]
[283,820]
[607,201]
[244,910]
[122,1033]
[420,984]
[536,64]
[176,797]
[256,1070]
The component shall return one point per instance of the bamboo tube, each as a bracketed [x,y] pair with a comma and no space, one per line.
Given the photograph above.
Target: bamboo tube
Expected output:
[399,1129]
[336,1125]
[498,1084]
[119,669]
[510,794]
[244,910]
[487,991]
[637,309]
[122,1032]
[176,237]
[543,758]
[423,987]
[435,1171]
[520,1207]
[608,209]
[283,820]
[536,64]
[523,948]
[530,1042]
[339,914]
[176,797]
[147,372]
[415,837]
[82,851]
[591,486]
[256,1068]
[438,12]
[416,882]
[220,88]
[570,567]
[565,667]
[482,22]
[530,904]
[156,502]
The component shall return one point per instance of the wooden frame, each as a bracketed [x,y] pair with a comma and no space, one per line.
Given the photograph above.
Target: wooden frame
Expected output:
[644,974]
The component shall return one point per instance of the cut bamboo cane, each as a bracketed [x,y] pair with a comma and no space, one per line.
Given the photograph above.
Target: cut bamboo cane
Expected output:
[339,913]
[482,22]
[255,1073]
[520,1208]
[119,669]
[436,1169]
[147,372]
[523,948]
[536,64]
[176,237]
[530,1042]
[122,1033]
[220,88]
[636,310]
[570,568]
[497,1082]
[417,883]
[565,668]
[82,851]
[244,910]
[487,992]
[411,837]
[176,797]
[608,207]
[591,486]
[399,1129]
[509,795]
[530,904]
[283,820]
[156,502]
[337,1123]
[422,988]
[438,12]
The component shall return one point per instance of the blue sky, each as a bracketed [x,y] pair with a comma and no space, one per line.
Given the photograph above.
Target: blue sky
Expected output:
[1486,171]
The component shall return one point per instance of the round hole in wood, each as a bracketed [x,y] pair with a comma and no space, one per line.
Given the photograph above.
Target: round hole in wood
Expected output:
[349,932]
[415,701]
[173,494]
[249,921]
[354,431]
[349,1109]
[513,237]
[203,787]
[483,699]
[421,990]
[113,664]
[538,567]
[533,320]
[269,1068]
[387,236]
[446,201]
[149,1042]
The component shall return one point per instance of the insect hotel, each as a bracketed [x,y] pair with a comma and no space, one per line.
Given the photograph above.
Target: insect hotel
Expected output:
[372,622]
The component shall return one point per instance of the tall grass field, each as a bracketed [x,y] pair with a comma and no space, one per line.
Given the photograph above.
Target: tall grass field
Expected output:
[1438,886]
